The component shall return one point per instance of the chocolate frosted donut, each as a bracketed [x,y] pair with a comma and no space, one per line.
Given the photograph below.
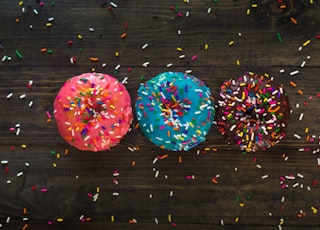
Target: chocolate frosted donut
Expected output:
[252,112]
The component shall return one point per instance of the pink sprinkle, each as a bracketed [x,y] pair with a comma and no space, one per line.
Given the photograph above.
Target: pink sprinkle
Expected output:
[44,190]
[41,3]
[179,15]
[194,57]
[48,114]
[49,222]
[89,194]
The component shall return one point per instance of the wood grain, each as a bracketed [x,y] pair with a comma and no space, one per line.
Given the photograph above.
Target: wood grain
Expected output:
[196,204]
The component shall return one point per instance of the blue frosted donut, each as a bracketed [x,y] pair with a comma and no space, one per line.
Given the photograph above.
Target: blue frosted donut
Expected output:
[175,110]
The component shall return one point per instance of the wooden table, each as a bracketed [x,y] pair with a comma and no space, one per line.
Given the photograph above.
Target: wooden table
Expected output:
[41,187]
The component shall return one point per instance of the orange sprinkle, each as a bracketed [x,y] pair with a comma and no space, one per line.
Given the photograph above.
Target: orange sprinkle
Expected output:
[273,110]
[24,210]
[94,59]
[214,149]
[293,84]
[180,159]
[133,163]
[66,152]
[123,35]
[168,133]
[137,125]
[294,21]
[43,50]
[163,156]
[214,180]
[25,226]
[300,91]
[283,6]
[88,218]
[17,20]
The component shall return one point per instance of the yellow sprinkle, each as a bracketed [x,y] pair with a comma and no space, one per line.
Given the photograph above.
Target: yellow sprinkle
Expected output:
[241,204]
[58,155]
[179,49]
[306,130]
[112,218]
[306,42]
[48,24]
[190,123]
[249,145]
[98,189]
[207,149]
[169,218]
[112,107]
[60,219]
[238,62]
[93,69]
[116,54]
[236,220]
[314,210]
[231,43]
[79,36]
[242,84]
[248,11]
[254,5]
[23,146]
[198,131]
[206,46]
[20,3]
[311,1]
[54,165]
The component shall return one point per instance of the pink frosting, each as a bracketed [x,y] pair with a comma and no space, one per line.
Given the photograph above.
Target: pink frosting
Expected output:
[93,111]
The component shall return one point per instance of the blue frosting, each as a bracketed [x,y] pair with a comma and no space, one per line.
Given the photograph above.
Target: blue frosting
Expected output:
[175,110]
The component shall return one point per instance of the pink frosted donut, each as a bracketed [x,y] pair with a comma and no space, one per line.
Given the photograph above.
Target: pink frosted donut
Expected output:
[93,111]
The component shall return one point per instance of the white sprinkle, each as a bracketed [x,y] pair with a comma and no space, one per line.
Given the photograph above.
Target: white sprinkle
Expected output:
[156,174]
[297,136]
[117,67]
[4,162]
[144,46]
[19,174]
[221,222]
[297,105]
[124,80]
[187,14]
[91,29]
[25,219]
[239,34]
[116,174]
[279,227]
[179,32]
[308,57]
[295,185]
[155,160]
[8,220]
[290,177]
[9,95]
[22,96]
[18,132]
[282,199]
[23,10]
[264,176]
[156,220]
[301,116]
[281,71]
[188,71]
[104,65]
[169,65]
[115,194]
[30,103]
[27,164]
[150,196]
[113,4]
[8,181]
[182,56]
[300,48]
[303,64]
[35,12]
[294,72]
[4,58]
[50,19]
[308,188]
[171,193]
[209,10]
[146,64]
[318,160]
[259,166]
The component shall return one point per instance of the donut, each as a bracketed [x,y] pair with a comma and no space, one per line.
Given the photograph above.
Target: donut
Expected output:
[93,111]
[175,110]
[252,112]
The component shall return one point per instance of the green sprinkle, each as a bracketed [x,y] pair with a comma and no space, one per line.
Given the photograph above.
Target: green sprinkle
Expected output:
[52,3]
[176,8]
[80,49]
[18,54]
[279,37]
[115,72]
[215,1]
[53,152]
[50,51]
[141,78]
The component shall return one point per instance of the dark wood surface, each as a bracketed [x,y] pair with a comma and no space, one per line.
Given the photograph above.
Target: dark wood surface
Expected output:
[242,199]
